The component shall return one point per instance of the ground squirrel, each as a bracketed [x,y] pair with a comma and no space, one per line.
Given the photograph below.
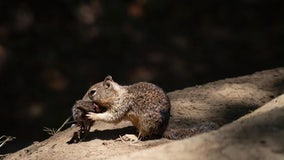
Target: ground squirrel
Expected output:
[144,104]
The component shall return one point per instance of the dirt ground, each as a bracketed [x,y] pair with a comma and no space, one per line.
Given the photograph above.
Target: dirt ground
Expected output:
[220,103]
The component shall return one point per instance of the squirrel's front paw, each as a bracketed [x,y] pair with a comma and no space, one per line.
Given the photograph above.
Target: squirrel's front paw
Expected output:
[92,116]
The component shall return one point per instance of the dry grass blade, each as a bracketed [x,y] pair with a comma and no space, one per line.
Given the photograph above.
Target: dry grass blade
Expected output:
[50,131]
[4,139]
[53,131]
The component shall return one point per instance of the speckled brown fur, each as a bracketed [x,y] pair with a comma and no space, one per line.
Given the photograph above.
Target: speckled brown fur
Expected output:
[144,104]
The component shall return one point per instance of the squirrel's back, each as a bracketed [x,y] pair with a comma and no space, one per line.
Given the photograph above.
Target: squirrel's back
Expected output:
[151,105]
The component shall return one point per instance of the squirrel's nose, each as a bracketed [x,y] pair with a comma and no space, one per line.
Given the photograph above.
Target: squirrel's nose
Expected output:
[92,93]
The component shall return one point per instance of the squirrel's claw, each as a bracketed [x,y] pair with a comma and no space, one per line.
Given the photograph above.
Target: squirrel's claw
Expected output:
[91,116]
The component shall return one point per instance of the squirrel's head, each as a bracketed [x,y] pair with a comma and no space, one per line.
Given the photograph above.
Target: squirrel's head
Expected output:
[105,93]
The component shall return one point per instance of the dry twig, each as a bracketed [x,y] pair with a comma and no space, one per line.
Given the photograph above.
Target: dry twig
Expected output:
[53,131]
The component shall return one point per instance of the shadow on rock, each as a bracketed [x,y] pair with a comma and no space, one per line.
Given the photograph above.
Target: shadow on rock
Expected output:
[110,134]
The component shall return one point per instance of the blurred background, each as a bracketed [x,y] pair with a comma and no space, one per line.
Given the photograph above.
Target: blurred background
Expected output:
[51,51]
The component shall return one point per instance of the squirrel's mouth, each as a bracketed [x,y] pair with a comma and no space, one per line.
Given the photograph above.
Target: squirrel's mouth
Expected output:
[89,106]
[98,108]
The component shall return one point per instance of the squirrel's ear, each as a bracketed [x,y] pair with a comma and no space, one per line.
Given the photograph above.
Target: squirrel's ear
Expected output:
[107,81]
[108,78]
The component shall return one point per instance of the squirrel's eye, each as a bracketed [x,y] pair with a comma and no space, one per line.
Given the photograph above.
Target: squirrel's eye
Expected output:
[92,92]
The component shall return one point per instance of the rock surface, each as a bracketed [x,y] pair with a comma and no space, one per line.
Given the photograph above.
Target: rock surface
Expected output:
[258,135]
[246,108]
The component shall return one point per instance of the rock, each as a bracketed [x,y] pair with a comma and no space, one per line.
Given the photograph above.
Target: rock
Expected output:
[256,135]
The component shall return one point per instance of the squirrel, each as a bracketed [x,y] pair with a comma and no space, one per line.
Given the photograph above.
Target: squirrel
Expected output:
[144,104]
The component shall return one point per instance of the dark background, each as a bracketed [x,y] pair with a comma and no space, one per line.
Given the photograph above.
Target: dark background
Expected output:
[52,51]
